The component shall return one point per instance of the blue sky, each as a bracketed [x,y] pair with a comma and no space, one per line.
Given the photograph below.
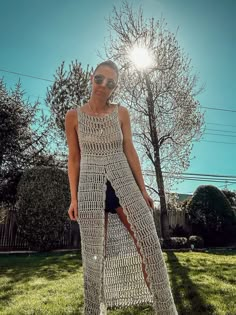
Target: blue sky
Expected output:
[36,36]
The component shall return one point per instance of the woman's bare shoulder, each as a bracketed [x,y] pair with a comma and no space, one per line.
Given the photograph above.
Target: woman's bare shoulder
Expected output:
[71,120]
[122,108]
[71,113]
[123,113]
[71,116]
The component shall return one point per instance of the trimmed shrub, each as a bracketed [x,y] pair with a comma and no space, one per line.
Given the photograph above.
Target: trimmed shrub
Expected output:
[43,197]
[174,243]
[179,231]
[211,216]
[196,240]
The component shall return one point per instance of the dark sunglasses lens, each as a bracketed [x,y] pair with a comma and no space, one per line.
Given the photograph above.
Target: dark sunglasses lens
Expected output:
[111,84]
[98,79]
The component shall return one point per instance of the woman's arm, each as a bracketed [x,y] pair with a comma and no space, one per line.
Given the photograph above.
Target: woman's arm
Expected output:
[74,152]
[130,150]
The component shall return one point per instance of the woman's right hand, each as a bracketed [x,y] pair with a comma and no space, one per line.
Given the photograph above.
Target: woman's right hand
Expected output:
[73,210]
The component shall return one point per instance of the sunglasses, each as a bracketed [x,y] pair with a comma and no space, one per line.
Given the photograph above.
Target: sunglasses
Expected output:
[99,78]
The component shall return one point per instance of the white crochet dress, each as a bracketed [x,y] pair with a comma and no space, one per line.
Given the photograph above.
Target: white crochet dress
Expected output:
[113,276]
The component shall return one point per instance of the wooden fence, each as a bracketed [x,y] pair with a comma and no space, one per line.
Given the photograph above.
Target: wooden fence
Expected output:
[175,217]
[10,238]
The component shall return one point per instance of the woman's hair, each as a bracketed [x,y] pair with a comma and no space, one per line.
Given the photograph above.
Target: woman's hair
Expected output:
[108,63]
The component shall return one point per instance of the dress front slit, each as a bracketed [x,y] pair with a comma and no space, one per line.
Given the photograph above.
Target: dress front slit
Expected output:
[112,201]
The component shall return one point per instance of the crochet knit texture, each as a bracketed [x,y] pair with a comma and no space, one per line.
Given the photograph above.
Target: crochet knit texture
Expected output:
[112,271]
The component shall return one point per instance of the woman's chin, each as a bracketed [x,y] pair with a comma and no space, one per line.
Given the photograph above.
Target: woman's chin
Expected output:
[100,92]
[101,96]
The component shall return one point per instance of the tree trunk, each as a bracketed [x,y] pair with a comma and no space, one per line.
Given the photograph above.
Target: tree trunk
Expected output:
[165,232]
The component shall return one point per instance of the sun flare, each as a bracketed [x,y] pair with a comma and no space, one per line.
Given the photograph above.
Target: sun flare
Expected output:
[141,57]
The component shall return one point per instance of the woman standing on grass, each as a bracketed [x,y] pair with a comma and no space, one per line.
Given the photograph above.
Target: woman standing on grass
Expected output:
[122,259]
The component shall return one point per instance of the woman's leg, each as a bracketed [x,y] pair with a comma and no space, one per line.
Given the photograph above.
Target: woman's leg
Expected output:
[124,220]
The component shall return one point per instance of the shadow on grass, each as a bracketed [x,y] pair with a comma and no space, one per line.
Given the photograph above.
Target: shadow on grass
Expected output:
[186,293]
[25,267]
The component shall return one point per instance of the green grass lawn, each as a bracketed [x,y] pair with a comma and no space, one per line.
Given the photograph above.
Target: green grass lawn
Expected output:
[52,283]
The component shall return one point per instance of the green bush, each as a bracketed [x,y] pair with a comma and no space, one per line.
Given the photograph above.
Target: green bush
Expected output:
[174,243]
[211,216]
[197,241]
[43,197]
[179,231]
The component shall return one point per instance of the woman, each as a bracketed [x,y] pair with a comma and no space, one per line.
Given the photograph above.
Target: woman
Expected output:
[122,259]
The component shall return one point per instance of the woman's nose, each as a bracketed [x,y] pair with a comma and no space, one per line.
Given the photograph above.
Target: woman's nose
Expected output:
[104,83]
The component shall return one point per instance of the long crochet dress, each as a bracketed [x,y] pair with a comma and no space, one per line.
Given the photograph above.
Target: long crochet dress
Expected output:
[113,276]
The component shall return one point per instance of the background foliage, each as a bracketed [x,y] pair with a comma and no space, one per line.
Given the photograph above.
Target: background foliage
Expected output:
[43,198]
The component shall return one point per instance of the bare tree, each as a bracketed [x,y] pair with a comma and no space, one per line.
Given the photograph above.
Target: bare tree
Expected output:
[161,98]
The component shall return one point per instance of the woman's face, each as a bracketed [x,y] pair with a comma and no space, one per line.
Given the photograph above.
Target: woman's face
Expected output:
[104,81]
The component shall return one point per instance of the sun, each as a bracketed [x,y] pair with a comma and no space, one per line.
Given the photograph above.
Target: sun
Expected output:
[141,57]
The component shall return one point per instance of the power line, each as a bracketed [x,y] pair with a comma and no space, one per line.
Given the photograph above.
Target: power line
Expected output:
[206,180]
[221,130]
[198,177]
[43,79]
[26,75]
[221,109]
[200,174]
[216,142]
[208,123]
[218,134]
[210,175]
[192,192]
[35,77]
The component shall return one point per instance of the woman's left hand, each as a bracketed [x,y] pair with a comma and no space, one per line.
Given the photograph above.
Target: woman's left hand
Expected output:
[148,200]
